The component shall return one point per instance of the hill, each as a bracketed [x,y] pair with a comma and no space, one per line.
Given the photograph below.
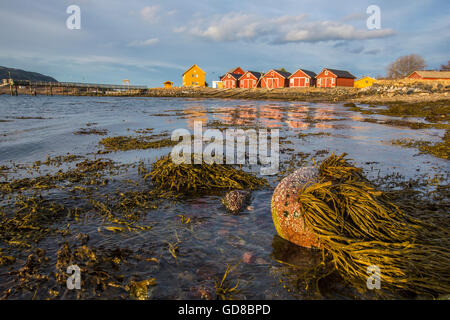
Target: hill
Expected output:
[18,74]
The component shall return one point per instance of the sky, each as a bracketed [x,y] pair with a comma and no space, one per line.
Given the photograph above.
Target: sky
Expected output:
[149,42]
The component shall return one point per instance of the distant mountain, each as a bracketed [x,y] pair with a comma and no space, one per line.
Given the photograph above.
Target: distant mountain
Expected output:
[18,74]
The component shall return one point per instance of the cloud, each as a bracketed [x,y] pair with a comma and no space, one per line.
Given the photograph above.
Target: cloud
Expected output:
[373,51]
[279,30]
[356,50]
[149,14]
[355,17]
[143,43]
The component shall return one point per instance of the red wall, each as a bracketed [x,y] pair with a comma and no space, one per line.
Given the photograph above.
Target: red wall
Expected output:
[229,81]
[338,82]
[415,75]
[248,82]
[345,82]
[300,82]
[273,79]
[238,70]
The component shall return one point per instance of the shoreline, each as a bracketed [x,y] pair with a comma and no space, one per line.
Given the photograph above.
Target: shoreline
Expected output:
[375,95]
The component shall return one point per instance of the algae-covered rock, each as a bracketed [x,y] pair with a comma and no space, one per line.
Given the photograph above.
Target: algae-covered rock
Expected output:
[287,211]
[235,200]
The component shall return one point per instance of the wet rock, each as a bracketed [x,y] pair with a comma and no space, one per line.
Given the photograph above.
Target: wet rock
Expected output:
[235,200]
[202,292]
[261,261]
[248,257]
[287,212]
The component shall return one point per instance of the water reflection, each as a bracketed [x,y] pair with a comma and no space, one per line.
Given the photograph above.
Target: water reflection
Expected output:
[269,116]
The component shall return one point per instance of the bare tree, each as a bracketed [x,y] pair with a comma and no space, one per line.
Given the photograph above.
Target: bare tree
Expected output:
[405,65]
[445,67]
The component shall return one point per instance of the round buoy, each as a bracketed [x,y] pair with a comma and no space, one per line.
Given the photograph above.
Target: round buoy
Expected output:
[287,211]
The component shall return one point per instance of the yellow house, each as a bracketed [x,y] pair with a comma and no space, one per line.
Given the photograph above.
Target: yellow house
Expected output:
[168,84]
[364,82]
[194,77]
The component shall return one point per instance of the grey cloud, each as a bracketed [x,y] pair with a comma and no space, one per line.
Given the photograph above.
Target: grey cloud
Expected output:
[280,30]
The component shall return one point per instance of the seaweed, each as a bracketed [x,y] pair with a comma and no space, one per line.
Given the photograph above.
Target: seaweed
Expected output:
[359,226]
[437,149]
[187,178]
[125,143]
[224,289]
[86,131]
[32,221]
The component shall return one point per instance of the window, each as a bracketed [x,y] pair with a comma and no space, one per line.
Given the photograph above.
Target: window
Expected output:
[318,81]
[326,72]
[292,81]
[332,80]
[248,75]
[254,82]
[307,80]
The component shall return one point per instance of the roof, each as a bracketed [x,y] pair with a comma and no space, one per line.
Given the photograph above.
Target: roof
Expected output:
[234,69]
[341,73]
[309,73]
[433,74]
[366,77]
[257,75]
[193,66]
[235,75]
[283,73]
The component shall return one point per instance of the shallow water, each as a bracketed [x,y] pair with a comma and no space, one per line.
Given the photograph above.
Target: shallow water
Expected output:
[214,238]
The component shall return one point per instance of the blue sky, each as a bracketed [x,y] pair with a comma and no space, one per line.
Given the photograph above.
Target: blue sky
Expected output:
[150,42]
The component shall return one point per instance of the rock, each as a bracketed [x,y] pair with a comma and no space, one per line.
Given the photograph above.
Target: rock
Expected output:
[287,211]
[248,257]
[235,200]
[202,292]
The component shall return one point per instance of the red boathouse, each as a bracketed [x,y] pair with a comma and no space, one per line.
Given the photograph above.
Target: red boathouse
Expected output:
[331,78]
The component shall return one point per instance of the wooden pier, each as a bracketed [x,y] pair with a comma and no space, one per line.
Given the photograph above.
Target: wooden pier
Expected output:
[68,88]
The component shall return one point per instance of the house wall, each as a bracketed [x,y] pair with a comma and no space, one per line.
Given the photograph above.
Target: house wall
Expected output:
[328,81]
[345,82]
[229,81]
[273,79]
[298,79]
[364,82]
[249,82]
[414,75]
[194,78]
[238,70]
